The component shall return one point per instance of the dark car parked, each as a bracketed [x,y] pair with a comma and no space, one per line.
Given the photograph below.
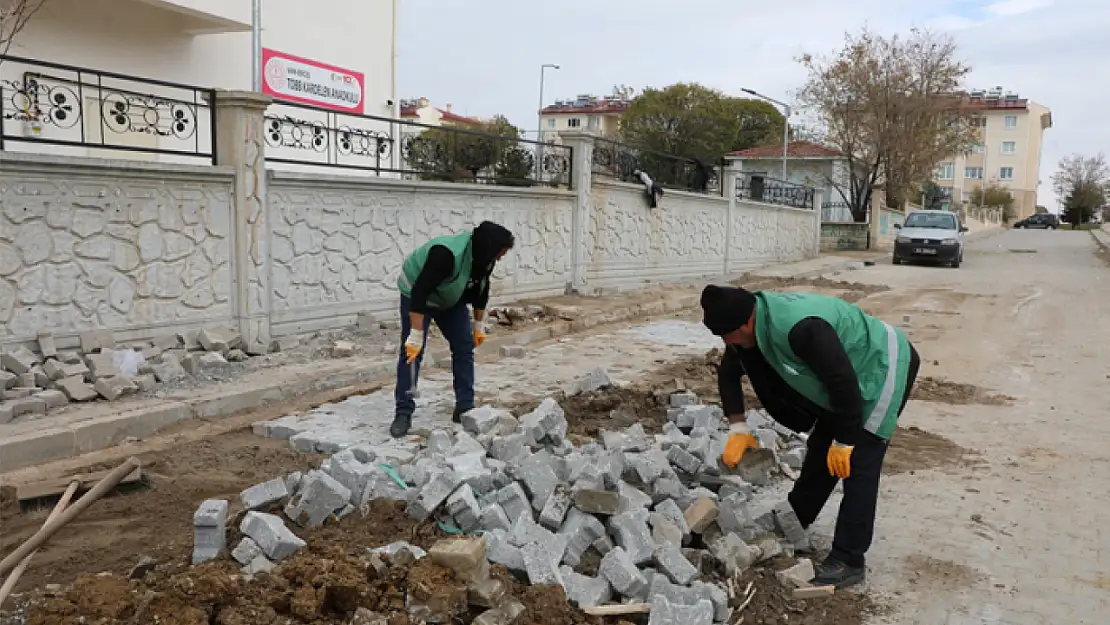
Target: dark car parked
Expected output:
[1046,221]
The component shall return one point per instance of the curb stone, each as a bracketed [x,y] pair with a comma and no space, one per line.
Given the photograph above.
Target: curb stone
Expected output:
[69,440]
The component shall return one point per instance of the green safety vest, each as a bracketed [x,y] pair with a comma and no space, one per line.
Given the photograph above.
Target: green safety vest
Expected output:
[879,353]
[450,291]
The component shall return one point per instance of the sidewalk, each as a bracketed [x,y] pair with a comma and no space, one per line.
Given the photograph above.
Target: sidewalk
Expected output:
[90,427]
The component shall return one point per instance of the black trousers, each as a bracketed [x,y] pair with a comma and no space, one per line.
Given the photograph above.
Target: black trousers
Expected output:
[855,522]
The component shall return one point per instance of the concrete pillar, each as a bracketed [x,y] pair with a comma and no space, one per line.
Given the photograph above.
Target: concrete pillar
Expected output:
[241,143]
[818,203]
[582,164]
[729,175]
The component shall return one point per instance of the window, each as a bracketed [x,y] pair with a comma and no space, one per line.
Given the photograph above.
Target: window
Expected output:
[967,197]
[1009,147]
[978,122]
[551,123]
[978,148]
[973,173]
[1011,122]
[946,171]
[574,122]
[1006,173]
[940,221]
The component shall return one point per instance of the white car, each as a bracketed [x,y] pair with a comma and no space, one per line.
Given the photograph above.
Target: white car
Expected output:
[930,236]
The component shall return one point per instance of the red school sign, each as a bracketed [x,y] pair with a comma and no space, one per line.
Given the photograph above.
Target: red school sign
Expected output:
[295,79]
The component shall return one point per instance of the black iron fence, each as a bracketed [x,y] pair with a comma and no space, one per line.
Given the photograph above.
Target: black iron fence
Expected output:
[762,188]
[621,161]
[76,109]
[309,136]
[837,211]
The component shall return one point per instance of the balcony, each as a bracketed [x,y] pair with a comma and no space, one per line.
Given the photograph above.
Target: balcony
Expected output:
[206,17]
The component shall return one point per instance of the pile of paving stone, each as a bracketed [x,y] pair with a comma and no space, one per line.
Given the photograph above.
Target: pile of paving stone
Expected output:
[663,517]
[33,382]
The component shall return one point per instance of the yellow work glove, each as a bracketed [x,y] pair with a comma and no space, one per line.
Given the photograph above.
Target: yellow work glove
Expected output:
[740,440]
[413,345]
[480,329]
[840,460]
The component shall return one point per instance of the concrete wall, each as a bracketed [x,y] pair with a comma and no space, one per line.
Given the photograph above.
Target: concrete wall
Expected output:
[89,243]
[148,249]
[841,237]
[883,231]
[338,241]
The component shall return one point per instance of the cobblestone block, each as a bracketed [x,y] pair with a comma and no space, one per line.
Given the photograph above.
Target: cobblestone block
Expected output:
[514,501]
[582,590]
[493,517]
[700,515]
[320,496]
[541,561]
[630,531]
[466,556]
[487,593]
[268,531]
[510,448]
[597,501]
[581,531]
[621,573]
[597,379]
[463,507]
[799,575]
[555,510]
[209,530]
[481,420]
[664,530]
[500,550]
[631,497]
[262,495]
[19,360]
[670,561]
[439,442]
[732,552]
[717,596]
[664,612]
[432,495]
[26,405]
[683,459]
[547,421]
[525,531]
[787,522]
[112,388]
[246,551]
[538,478]
[683,398]
[732,514]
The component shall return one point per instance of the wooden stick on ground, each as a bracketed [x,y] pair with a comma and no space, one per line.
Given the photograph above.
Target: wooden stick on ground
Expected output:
[48,529]
[617,609]
[10,583]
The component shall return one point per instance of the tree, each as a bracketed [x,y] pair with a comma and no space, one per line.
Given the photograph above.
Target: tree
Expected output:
[623,92]
[688,120]
[932,197]
[994,195]
[486,150]
[893,106]
[1083,181]
[1082,201]
[14,15]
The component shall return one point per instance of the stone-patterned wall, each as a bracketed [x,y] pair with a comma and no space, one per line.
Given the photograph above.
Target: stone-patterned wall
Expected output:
[842,237]
[87,243]
[763,234]
[627,242]
[338,242]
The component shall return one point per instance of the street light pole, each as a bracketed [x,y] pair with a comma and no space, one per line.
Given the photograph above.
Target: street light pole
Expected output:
[256,45]
[539,122]
[785,125]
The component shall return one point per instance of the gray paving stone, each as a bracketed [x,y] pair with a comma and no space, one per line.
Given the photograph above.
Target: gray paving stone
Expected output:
[630,531]
[262,495]
[319,497]
[271,535]
[621,572]
[670,561]
[432,495]
[582,590]
[664,612]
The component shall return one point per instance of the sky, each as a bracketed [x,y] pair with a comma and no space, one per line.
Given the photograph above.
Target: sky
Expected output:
[485,57]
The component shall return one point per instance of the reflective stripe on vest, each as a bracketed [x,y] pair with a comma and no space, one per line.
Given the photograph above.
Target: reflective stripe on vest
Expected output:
[882,406]
[404,281]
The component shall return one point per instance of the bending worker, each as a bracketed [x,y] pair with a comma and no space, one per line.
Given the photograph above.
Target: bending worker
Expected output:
[437,282]
[820,363]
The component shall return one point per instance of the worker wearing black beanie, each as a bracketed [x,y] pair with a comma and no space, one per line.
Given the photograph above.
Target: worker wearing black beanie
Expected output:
[820,363]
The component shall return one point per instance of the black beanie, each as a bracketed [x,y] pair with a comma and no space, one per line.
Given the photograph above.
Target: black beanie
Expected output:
[726,308]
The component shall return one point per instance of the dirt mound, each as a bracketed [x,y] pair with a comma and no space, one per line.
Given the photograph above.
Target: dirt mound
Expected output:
[913,449]
[155,521]
[948,392]
[644,402]
[771,604]
[852,291]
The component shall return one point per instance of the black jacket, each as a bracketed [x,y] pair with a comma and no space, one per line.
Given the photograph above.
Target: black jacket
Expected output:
[817,344]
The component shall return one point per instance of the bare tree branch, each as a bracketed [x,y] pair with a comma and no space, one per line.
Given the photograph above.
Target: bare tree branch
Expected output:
[893,106]
[14,16]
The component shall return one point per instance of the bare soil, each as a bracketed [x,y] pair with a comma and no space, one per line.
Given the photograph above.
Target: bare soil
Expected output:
[948,392]
[913,449]
[772,603]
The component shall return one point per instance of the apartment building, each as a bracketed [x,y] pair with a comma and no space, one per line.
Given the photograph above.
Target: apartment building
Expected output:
[585,111]
[420,110]
[1009,153]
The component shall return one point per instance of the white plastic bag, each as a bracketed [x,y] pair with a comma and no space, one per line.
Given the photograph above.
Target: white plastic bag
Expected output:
[128,361]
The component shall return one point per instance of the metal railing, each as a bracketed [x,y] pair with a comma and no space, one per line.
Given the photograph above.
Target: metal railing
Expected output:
[762,188]
[50,104]
[621,161]
[304,135]
[836,212]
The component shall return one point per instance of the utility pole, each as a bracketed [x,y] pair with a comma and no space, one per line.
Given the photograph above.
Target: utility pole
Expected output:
[539,123]
[256,45]
[785,126]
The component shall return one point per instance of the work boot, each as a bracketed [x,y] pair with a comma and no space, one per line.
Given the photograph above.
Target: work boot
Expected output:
[401,425]
[456,417]
[833,572]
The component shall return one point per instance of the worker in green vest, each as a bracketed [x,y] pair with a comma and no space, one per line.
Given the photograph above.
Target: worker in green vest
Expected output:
[437,283]
[821,365]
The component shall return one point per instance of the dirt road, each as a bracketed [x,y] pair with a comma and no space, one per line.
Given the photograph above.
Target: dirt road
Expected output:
[1018,536]
[991,507]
